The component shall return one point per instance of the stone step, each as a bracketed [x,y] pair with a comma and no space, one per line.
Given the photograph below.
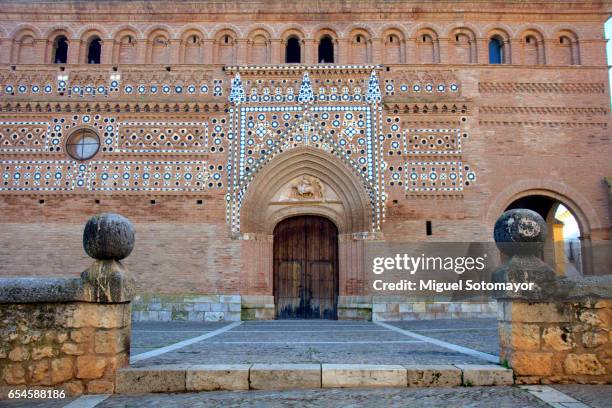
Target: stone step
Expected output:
[234,377]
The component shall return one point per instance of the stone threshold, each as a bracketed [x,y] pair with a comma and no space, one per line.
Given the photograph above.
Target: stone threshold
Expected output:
[240,377]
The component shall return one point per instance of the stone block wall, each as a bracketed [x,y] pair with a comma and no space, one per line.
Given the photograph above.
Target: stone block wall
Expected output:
[208,308]
[74,346]
[420,310]
[557,341]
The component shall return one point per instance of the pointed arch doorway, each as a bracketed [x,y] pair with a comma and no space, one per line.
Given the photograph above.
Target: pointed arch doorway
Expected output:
[306,268]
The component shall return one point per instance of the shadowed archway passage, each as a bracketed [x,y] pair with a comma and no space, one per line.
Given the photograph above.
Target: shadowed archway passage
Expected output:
[306,268]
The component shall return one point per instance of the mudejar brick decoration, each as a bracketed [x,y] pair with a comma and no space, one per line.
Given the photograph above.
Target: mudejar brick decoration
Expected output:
[207,124]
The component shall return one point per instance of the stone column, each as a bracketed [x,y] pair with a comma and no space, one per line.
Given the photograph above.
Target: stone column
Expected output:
[241,56]
[343,51]
[71,334]
[256,277]
[482,50]
[443,46]
[411,57]
[310,51]
[208,49]
[142,52]
[557,331]
[376,51]
[106,56]
[74,50]
[277,55]
[174,51]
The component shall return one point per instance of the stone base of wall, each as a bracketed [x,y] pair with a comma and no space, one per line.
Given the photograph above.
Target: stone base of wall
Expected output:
[557,342]
[212,308]
[355,308]
[76,347]
[258,307]
[418,310]
[195,308]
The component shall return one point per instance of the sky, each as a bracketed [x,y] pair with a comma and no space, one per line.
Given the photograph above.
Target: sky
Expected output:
[608,28]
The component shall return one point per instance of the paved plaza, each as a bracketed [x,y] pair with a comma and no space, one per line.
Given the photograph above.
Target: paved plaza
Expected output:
[294,341]
[304,341]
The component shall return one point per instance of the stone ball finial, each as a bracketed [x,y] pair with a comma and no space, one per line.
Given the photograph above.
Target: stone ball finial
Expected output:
[108,237]
[520,232]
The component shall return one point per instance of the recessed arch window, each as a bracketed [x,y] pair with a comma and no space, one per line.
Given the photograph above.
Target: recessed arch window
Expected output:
[496,51]
[83,144]
[293,51]
[326,50]
[94,50]
[60,50]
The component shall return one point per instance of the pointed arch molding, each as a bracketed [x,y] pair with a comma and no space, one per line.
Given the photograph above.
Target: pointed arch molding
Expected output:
[279,135]
[352,213]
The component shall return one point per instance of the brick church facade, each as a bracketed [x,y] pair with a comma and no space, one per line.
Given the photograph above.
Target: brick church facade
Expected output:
[260,147]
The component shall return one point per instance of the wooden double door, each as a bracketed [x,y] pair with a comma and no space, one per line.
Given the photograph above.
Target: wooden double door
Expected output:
[306,268]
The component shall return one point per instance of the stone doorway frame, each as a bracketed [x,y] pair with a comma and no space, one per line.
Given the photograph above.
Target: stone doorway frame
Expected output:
[351,213]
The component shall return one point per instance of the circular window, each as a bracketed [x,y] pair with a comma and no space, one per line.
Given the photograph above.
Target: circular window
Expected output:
[83,144]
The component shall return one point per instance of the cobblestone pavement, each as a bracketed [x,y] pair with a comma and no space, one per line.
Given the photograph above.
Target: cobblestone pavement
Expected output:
[291,341]
[151,335]
[596,396]
[477,334]
[448,397]
[494,397]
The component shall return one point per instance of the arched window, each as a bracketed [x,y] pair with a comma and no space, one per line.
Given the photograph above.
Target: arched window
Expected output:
[258,52]
[60,50]
[293,51]
[359,49]
[160,50]
[569,53]
[94,50]
[326,50]
[127,49]
[26,54]
[496,51]
[427,50]
[393,50]
[531,51]
[225,52]
[462,49]
[192,49]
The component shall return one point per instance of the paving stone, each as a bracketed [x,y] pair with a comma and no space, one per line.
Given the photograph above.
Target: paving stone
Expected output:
[285,376]
[469,397]
[229,377]
[485,374]
[433,375]
[161,378]
[363,375]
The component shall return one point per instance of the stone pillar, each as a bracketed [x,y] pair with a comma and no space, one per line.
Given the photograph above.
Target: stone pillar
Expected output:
[208,48]
[343,51]
[175,46]
[7,50]
[106,56]
[443,48]
[257,277]
[241,51]
[411,57]
[557,331]
[376,49]
[482,50]
[71,334]
[277,54]
[142,52]
[74,51]
[310,51]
